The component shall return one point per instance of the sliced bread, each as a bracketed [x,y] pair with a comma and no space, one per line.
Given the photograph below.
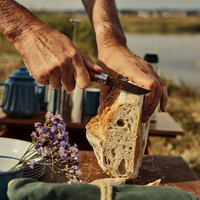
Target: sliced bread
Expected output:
[117,134]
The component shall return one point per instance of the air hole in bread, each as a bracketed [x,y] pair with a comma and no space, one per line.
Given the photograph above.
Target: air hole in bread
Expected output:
[124,146]
[129,111]
[122,168]
[120,122]
[125,129]
[129,126]
[113,152]
[108,161]
[105,159]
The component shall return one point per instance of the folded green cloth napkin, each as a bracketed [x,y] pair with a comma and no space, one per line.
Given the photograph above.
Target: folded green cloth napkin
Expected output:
[28,189]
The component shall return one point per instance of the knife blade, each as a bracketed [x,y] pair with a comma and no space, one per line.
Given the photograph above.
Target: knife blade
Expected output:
[122,84]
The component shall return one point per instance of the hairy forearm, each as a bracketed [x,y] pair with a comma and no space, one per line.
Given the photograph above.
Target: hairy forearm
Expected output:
[104,17]
[15,20]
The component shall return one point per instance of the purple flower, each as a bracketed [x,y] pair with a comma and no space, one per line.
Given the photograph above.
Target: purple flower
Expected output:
[63,144]
[39,151]
[61,127]
[41,130]
[46,151]
[49,115]
[31,165]
[53,128]
[66,136]
[62,150]
[63,154]
[37,146]
[78,172]
[33,134]
[39,139]
[55,142]
[50,135]
[60,119]
[37,124]
[52,142]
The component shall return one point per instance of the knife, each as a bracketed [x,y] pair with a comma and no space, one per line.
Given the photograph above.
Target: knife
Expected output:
[123,84]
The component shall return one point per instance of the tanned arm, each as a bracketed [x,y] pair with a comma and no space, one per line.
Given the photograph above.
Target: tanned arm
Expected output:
[117,60]
[50,56]
[104,17]
[15,20]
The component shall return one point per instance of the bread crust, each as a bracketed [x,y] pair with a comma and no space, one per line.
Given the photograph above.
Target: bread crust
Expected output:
[117,134]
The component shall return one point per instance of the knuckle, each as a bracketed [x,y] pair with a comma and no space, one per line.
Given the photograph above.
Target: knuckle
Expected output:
[76,60]
[54,71]
[87,57]
[74,55]
[152,84]
[159,91]
[39,77]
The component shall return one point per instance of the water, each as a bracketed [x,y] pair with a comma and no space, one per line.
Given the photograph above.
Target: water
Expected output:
[179,55]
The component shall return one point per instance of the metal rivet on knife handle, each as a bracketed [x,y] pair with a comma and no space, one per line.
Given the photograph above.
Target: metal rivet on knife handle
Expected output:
[100,78]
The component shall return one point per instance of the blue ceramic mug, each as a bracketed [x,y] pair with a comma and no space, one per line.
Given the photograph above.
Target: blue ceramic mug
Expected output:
[6,176]
[91,101]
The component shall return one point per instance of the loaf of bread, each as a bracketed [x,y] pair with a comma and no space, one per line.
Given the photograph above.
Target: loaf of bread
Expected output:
[118,136]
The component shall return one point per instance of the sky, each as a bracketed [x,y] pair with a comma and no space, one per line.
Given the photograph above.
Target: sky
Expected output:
[60,5]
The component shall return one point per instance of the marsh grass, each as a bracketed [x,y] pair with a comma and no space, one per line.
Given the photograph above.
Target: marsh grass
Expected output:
[184,107]
[189,25]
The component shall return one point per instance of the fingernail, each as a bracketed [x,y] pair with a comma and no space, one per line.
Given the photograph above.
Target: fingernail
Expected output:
[165,107]
[97,67]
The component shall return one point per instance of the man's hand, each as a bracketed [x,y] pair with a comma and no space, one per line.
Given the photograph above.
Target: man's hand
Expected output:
[52,59]
[121,62]
[116,60]
[50,56]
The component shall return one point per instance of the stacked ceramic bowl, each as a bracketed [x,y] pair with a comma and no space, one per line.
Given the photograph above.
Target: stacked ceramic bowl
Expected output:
[14,149]
[35,173]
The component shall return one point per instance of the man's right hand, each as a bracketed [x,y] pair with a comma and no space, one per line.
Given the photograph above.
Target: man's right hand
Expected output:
[50,56]
[52,59]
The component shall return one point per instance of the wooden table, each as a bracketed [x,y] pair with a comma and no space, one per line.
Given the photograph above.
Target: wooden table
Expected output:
[172,171]
[165,126]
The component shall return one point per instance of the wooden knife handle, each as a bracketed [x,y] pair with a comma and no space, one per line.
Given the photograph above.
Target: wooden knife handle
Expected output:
[92,74]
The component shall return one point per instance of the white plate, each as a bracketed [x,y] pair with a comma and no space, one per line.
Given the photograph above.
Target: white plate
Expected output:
[7,163]
[14,148]
[36,167]
[33,172]
[37,176]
